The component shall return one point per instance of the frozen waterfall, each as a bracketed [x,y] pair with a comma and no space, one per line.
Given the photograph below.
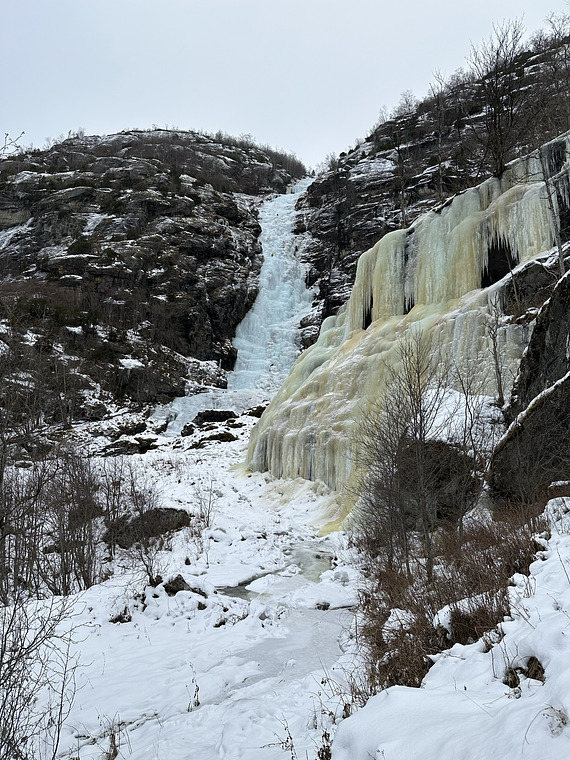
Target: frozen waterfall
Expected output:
[429,277]
[267,340]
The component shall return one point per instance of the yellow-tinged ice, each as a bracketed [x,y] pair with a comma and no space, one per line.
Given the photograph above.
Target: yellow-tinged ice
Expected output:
[433,271]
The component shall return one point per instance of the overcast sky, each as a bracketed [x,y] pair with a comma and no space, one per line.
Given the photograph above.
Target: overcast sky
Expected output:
[309,76]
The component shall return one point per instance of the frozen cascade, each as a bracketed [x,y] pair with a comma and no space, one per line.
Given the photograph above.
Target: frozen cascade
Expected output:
[267,340]
[427,277]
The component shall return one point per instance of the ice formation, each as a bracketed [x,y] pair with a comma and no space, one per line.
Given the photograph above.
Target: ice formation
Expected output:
[266,338]
[429,276]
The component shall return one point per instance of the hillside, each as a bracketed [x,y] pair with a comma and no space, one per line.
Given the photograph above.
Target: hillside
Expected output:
[130,259]
[512,98]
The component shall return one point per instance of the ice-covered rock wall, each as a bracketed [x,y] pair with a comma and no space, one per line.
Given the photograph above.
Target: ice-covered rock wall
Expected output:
[439,275]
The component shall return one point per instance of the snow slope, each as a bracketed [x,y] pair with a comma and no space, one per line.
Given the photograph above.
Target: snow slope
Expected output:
[250,660]
[464,708]
[233,667]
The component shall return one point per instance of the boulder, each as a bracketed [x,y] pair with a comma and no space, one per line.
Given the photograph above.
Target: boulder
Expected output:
[154,522]
[213,415]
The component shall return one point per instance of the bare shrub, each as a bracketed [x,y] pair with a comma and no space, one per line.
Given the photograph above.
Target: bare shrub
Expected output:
[423,455]
[36,677]
[400,627]
[70,561]
[142,527]
[421,549]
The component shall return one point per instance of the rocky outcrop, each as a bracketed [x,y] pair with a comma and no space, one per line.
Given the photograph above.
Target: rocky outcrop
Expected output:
[547,357]
[534,453]
[131,253]
[447,278]
[425,153]
[397,173]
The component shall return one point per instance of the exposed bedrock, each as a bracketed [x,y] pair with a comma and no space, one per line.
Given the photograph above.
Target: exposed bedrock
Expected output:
[135,254]
[535,452]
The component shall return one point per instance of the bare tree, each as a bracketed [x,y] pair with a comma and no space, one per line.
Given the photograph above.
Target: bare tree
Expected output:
[508,106]
[10,144]
[398,493]
[549,184]
[438,91]
[554,77]
[70,561]
[493,325]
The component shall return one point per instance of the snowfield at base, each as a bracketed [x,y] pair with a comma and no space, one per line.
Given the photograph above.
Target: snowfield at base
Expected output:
[224,670]
[464,711]
[253,660]
[235,665]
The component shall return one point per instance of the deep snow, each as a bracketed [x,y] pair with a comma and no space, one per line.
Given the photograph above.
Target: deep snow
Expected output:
[464,709]
[253,656]
[234,667]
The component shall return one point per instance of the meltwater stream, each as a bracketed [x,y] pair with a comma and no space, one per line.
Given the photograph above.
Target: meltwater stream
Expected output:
[267,340]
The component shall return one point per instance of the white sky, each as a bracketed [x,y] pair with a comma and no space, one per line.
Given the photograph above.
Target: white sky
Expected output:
[306,75]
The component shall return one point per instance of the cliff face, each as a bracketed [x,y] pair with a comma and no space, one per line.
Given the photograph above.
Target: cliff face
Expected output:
[134,250]
[534,453]
[464,131]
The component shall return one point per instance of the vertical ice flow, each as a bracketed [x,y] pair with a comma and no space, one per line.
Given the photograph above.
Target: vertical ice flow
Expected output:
[267,338]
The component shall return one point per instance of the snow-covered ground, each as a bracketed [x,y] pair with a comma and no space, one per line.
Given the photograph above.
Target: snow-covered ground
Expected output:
[226,669]
[465,710]
[241,663]
[252,661]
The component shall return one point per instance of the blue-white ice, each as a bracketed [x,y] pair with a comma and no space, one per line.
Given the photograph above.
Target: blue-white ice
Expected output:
[267,340]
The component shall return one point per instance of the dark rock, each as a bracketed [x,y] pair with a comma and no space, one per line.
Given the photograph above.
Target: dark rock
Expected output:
[529,287]
[546,358]
[173,586]
[154,522]
[126,447]
[257,411]
[149,237]
[94,411]
[451,486]
[130,426]
[188,429]
[535,452]
[213,415]
[223,437]
[534,669]
[146,442]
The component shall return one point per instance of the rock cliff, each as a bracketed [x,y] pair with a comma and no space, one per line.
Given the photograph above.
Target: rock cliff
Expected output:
[534,453]
[132,257]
